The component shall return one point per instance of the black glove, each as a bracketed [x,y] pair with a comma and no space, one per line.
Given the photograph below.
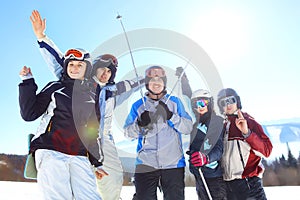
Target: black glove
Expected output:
[162,109]
[179,71]
[145,119]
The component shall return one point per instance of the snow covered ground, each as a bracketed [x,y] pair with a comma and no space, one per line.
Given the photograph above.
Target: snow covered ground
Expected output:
[23,190]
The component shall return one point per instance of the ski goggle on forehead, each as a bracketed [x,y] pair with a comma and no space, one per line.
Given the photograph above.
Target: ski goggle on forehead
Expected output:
[76,53]
[155,72]
[227,101]
[109,58]
[200,103]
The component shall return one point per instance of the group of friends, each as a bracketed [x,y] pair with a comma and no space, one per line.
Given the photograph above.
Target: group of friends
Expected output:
[74,150]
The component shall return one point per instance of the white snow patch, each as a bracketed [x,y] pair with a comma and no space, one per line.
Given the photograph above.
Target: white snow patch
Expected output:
[26,190]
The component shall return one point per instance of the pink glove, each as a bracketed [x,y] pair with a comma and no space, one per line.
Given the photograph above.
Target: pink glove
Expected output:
[198,159]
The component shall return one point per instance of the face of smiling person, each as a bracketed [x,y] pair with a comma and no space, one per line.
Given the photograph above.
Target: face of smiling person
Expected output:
[76,69]
[230,108]
[103,74]
[202,110]
[156,85]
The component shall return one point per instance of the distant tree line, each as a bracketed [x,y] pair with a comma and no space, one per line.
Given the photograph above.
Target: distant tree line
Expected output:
[280,172]
[12,167]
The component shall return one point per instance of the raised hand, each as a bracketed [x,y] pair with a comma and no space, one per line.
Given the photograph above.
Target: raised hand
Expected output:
[38,25]
[241,123]
[25,71]
[179,71]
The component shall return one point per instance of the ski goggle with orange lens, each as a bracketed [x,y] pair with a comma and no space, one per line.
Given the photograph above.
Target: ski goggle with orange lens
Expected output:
[227,101]
[155,72]
[76,54]
[200,103]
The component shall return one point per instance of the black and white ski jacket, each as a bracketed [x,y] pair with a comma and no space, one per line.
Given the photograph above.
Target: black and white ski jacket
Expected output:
[68,123]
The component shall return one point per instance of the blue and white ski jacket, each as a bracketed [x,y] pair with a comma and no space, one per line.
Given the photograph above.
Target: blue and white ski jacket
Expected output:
[160,147]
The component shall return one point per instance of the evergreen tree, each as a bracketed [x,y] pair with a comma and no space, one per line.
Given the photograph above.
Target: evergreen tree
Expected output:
[291,160]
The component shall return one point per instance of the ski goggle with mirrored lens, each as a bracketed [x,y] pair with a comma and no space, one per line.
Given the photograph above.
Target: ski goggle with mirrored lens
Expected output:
[155,72]
[200,103]
[109,58]
[227,101]
[108,62]
[76,54]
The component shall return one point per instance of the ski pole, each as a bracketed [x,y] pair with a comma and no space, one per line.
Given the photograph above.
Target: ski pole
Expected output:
[205,185]
[179,78]
[132,60]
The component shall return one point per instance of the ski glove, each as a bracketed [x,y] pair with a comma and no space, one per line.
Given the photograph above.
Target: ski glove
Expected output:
[198,159]
[162,109]
[145,119]
[179,71]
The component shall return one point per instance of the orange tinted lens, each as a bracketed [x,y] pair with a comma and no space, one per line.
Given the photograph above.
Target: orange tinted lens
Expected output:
[75,53]
[154,72]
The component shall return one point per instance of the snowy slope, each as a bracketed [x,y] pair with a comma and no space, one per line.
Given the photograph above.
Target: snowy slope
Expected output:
[24,190]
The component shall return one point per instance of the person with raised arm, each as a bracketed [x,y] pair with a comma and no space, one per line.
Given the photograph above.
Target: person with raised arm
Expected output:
[66,143]
[108,95]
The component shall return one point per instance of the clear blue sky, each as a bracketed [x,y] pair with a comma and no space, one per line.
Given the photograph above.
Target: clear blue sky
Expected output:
[255,46]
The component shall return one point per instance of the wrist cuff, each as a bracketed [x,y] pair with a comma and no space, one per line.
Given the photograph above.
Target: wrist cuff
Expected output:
[248,134]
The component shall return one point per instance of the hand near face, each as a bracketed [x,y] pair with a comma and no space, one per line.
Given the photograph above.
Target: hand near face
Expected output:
[241,123]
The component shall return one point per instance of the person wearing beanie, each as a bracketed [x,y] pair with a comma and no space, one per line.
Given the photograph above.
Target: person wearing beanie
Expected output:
[206,142]
[65,138]
[108,95]
[157,121]
[245,144]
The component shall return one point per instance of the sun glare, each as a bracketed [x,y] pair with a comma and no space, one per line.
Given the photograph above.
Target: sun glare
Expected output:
[223,34]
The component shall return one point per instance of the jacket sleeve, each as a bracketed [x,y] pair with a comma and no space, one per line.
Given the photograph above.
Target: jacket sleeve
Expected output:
[95,153]
[181,120]
[216,129]
[258,140]
[216,153]
[131,128]
[52,55]
[185,87]
[127,88]
[32,106]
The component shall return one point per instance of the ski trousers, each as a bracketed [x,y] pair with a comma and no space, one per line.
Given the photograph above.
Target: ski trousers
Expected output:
[246,189]
[110,186]
[147,179]
[216,187]
[62,176]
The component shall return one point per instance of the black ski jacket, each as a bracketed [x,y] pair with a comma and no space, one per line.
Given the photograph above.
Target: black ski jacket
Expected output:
[68,124]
